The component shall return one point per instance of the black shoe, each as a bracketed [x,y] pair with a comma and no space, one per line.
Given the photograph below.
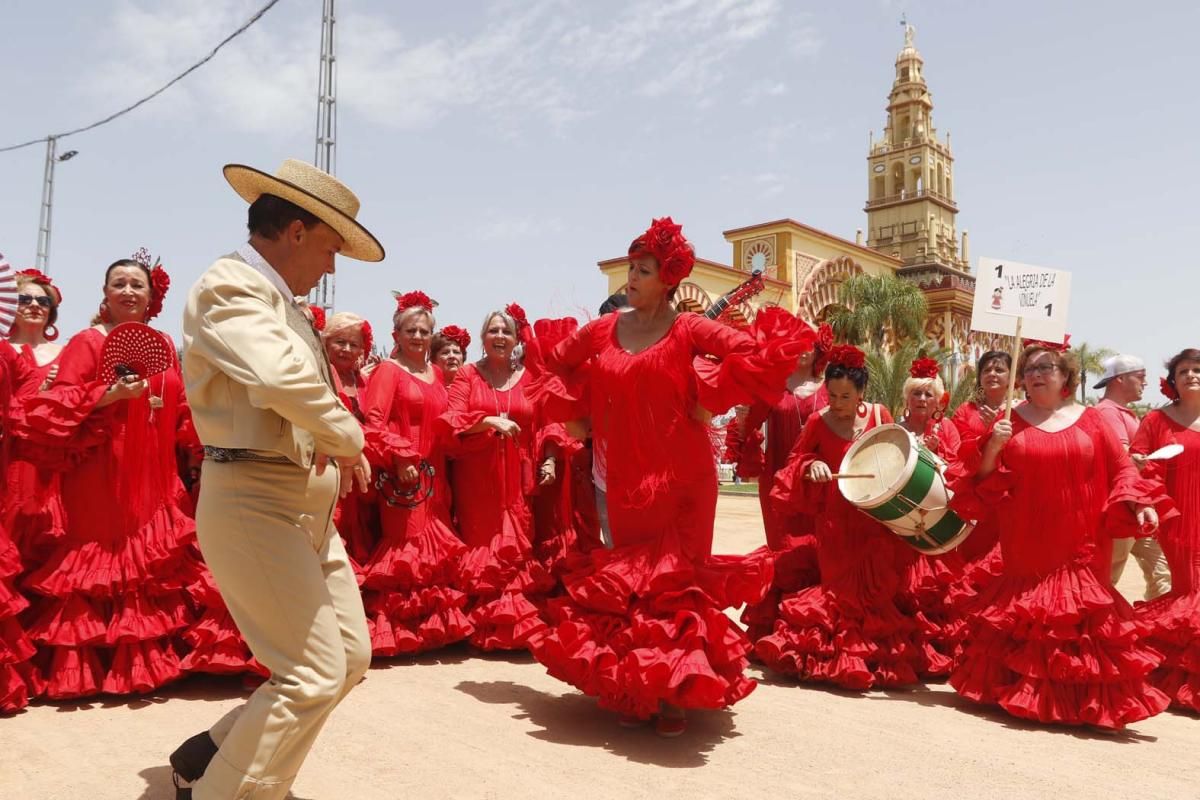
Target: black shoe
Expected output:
[191,758]
[181,792]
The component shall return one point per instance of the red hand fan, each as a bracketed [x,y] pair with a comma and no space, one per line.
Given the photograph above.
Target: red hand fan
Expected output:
[8,297]
[134,349]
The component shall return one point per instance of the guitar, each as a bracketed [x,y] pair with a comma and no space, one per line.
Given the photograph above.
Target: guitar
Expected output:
[744,291]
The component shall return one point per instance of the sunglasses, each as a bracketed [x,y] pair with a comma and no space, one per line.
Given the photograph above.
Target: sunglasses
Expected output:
[28,299]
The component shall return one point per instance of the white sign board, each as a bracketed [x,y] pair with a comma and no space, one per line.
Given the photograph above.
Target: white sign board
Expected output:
[1006,290]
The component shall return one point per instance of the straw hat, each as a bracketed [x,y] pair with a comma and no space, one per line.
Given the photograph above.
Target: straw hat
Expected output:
[318,193]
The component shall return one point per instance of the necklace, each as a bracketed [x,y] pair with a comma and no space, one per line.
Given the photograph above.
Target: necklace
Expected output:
[505,414]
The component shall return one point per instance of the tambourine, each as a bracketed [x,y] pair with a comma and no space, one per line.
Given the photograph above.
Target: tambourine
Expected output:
[394,493]
[134,350]
[8,297]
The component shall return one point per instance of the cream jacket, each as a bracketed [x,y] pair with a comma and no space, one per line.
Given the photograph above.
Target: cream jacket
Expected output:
[252,372]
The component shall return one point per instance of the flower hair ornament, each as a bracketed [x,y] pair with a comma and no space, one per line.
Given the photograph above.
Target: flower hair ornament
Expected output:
[368,338]
[926,368]
[160,281]
[518,315]
[39,277]
[1057,347]
[1168,391]
[664,241]
[821,347]
[414,300]
[457,335]
[848,356]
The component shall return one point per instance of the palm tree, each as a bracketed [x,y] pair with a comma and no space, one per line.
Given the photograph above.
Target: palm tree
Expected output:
[871,306]
[1091,360]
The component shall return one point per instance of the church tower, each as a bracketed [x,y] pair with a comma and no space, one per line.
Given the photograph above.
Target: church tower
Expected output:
[910,201]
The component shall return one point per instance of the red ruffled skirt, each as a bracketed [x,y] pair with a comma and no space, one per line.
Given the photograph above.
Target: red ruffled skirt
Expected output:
[110,610]
[32,511]
[1172,624]
[929,590]
[216,645]
[795,568]
[642,625]
[503,583]
[20,680]
[411,603]
[1061,648]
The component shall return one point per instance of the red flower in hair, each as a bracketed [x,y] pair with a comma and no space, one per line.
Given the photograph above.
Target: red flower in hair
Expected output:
[824,337]
[318,315]
[414,299]
[1168,391]
[37,276]
[1062,347]
[160,284]
[847,355]
[924,368]
[518,314]
[457,335]
[368,337]
[665,241]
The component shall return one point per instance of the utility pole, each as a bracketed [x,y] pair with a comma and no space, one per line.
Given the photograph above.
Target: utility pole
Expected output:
[325,157]
[43,246]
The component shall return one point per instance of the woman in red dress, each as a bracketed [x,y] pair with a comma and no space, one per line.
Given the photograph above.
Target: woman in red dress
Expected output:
[20,680]
[1050,639]
[789,530]
[449,351]
[113,593]
[348,342]
[407,582]
[1173,620]
[495,427]
[641,626]
[974,419]
[849,629]
[31,508]
[930,585]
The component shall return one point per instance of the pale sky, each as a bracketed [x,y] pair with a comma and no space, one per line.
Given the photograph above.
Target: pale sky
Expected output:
[501,149]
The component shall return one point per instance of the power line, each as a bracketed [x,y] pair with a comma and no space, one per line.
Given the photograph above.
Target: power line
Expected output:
[155,94]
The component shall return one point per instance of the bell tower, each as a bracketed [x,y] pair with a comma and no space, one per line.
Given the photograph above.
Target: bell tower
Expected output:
[910,201]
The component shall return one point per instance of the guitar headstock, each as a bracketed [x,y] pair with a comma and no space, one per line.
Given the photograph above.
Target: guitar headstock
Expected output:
[748,288]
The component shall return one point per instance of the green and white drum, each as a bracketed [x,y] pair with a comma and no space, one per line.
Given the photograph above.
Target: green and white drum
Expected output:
[905,489]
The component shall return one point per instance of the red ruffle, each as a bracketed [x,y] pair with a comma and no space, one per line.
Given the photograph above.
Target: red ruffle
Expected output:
[1172,624]
[1063,648]
[642,625]
[795,568]
[215,644]
[507,623]
[928,587]
[416,621]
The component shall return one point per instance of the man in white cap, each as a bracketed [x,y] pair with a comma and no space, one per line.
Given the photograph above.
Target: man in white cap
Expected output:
[279,449]
[1123,382]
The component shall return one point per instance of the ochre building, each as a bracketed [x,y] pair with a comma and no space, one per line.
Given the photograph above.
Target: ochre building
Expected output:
[910,232]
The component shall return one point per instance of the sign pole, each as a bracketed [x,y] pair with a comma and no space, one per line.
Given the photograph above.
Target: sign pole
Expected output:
[1012,372]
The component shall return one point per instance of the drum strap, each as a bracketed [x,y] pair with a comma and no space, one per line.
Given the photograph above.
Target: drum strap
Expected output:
[878,415]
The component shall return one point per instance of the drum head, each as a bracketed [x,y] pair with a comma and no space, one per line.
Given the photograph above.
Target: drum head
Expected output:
[885,452]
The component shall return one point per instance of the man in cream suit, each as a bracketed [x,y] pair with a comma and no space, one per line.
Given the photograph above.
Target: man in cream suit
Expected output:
[279,449]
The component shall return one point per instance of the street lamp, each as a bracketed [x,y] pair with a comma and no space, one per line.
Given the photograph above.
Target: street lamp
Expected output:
[43,247]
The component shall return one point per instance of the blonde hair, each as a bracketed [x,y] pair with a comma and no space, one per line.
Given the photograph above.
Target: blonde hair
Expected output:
[403,314]
[341,322]
[935,385]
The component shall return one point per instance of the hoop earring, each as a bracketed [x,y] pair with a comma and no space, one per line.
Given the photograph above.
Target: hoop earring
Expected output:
[50,333]
[863,409]
[1066,392]
[104,315]
[938,416]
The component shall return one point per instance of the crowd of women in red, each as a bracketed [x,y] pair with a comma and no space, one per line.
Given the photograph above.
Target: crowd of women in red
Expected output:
[557,494]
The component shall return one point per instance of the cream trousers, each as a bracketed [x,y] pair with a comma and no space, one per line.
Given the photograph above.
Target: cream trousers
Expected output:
[266,532]
[1149,556]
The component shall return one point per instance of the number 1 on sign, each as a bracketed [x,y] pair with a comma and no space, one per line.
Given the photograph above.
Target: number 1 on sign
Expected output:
[1049,309]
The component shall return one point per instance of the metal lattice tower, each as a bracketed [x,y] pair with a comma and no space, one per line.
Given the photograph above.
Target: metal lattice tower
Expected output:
[326,147]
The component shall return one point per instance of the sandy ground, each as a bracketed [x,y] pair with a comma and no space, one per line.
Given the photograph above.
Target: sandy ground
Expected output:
[458,725]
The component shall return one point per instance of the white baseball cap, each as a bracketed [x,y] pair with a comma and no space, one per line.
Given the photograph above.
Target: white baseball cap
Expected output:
[1119,365]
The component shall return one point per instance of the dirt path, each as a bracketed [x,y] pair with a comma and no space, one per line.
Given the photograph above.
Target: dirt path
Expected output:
[458,725]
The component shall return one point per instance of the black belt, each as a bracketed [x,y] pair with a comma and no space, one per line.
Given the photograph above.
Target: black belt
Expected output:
[225,455]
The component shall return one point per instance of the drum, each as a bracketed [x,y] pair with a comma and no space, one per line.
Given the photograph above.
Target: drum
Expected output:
[906,492]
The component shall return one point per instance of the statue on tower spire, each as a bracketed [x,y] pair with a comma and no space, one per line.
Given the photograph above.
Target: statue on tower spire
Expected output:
[909,30]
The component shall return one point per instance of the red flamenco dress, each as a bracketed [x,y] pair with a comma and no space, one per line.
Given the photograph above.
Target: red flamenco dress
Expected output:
[642,624]
[789,529]
[1173,620]
[20,680]
[31,509]
[356,516]
[491,483]
[1051,640]
[407,581]
[848,630]
[114,588]
[931,586]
